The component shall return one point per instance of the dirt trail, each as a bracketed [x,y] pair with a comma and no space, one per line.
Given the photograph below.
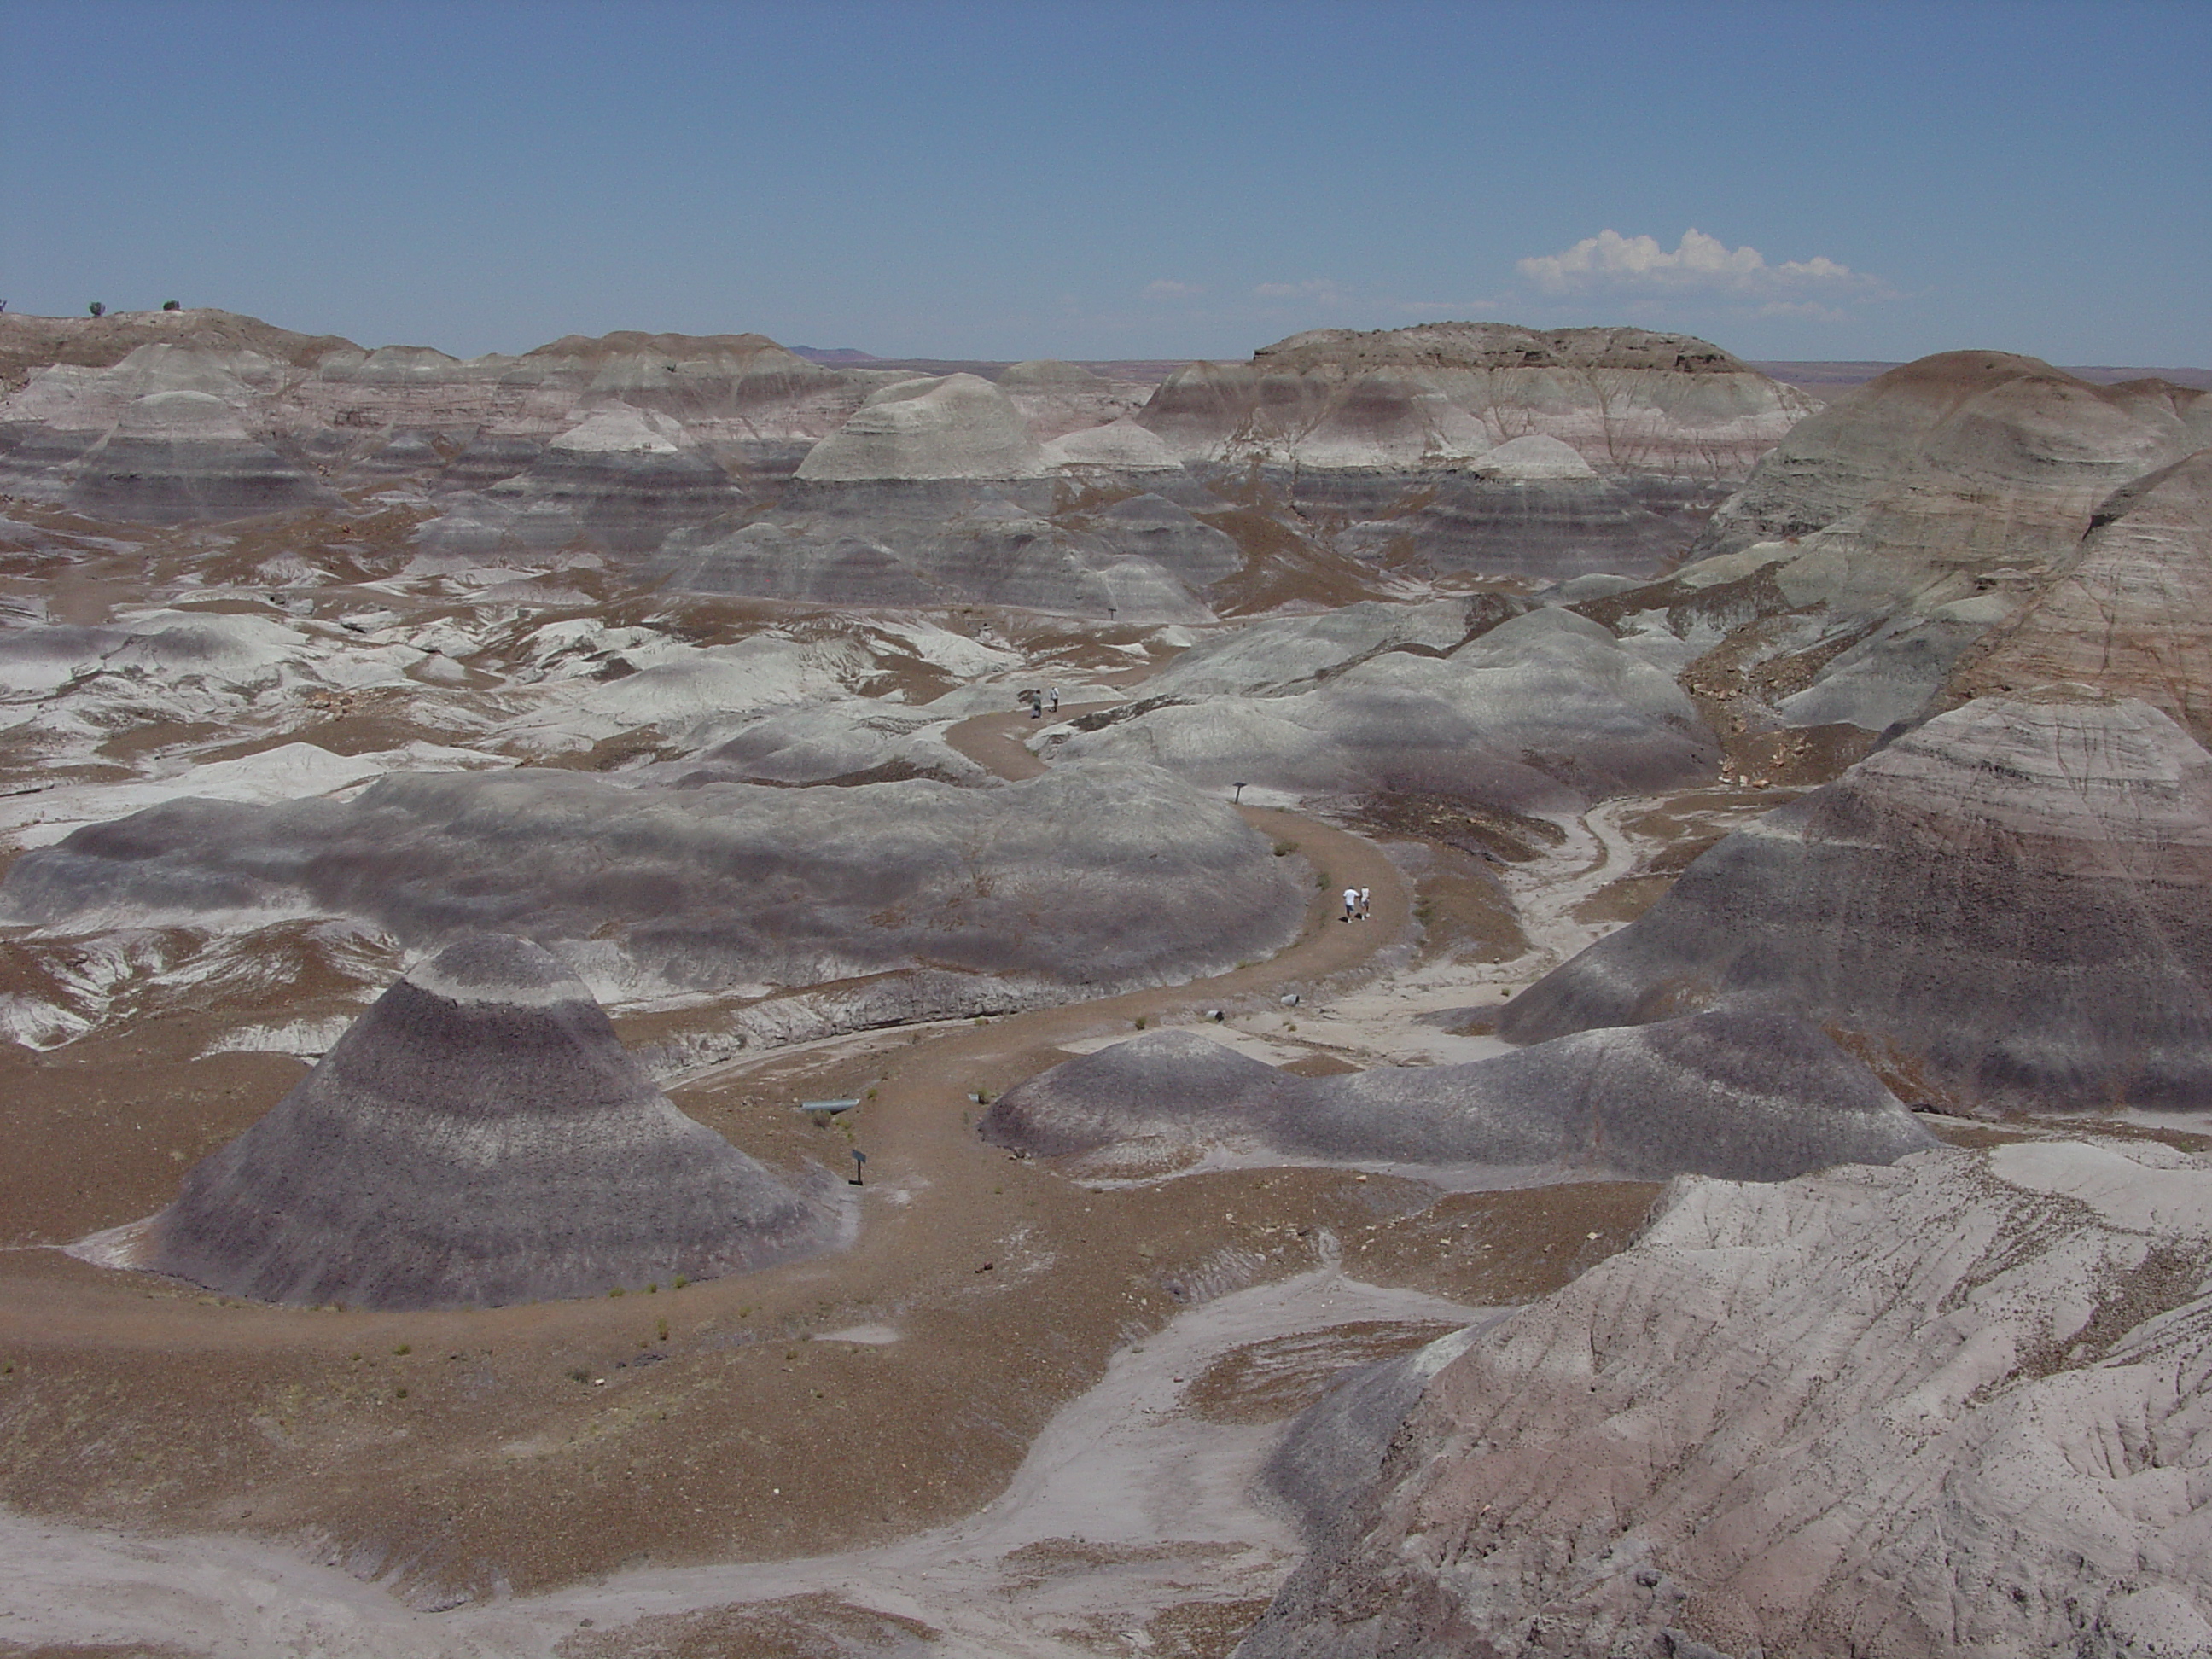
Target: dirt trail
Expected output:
[917,1130]
[998,741]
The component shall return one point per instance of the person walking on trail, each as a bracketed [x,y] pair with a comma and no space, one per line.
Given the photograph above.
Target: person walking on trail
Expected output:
[1350,902]
[1362,903]
[1055,700]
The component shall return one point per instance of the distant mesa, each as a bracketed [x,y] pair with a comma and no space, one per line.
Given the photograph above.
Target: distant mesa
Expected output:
[837,354]
[478,1137]
[1747,1095]
[1628,400]
[2009,907]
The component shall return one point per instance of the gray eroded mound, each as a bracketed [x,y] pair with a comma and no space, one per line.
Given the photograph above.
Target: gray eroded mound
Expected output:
[1170,1083]
[1748,1094]
[478,1137]
[2131,612]
[900,541]
[159,438]
[175,456]
[2012,903]
[1057,399]
[1531,513]
[1150,526]
[1921,540]
[1099,877]
[1919,1411]
[1537,711]
[620,480]
[1325,1467]
[774,561]
[860,742]
[1930,459]
[1276,653]
[956,426]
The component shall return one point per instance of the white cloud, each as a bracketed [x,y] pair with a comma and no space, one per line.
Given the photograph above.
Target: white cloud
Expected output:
[1438,310]
[1701,264]
[1164,289]
[1314,288]
[1809,308]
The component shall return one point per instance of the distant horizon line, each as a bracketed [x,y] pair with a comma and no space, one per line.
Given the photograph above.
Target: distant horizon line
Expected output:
[1841,372]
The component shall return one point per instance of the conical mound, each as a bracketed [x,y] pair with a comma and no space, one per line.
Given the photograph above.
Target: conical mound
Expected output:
[1167,1083]
[478,1137]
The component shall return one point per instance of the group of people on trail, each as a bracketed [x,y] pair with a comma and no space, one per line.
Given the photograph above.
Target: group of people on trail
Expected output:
[1355,903]
[1040,701]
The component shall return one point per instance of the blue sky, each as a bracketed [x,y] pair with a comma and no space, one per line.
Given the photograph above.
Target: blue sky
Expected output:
[1122,180]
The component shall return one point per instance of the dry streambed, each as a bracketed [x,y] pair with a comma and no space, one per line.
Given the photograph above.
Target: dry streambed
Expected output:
[1129,1524]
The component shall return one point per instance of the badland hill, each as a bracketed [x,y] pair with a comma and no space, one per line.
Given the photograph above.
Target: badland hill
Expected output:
[683,998]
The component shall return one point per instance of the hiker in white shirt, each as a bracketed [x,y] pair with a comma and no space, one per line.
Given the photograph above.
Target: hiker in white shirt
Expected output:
[1362,904]
[1350,902]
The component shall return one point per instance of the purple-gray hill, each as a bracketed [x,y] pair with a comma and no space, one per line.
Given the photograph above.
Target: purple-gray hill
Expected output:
[479,1137]
[1745,1094]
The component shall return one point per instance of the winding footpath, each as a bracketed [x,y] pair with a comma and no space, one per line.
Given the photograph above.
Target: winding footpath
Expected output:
[917,1130]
